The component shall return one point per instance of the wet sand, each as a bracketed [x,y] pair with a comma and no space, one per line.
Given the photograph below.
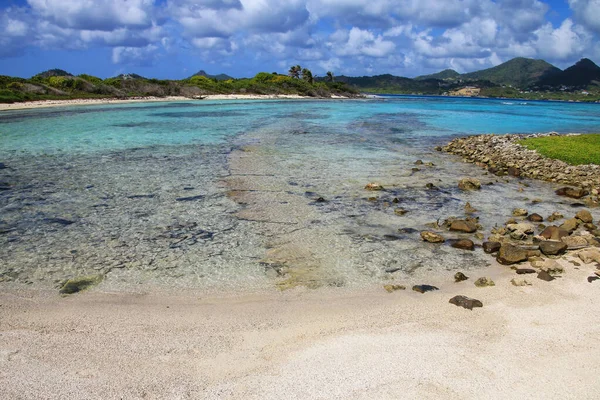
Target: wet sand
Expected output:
[538,341]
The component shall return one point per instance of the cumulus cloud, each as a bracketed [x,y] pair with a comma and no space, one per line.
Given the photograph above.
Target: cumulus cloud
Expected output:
[139,56]
[587,12]
[360,42]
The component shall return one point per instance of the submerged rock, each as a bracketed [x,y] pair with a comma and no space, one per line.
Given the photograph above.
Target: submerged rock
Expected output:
[81,283]
[483,282]
[432,237]
[460,225]
[464,244]
[469,184]
[469,209]
[519,212]
[424,288]
[459,277]
[373,186]
[555,216]
[535,217]
[465,302]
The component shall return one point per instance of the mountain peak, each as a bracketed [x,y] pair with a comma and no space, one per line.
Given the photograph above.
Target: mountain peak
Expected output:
[585,63]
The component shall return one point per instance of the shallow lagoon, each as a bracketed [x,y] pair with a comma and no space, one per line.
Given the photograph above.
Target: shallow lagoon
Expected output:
[224,194]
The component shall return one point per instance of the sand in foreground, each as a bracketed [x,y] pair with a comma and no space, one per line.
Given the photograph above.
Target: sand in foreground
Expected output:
[537,342]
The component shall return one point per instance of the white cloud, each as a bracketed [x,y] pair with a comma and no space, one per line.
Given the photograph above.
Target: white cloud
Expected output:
[587,12]
[135,55]
[360,42]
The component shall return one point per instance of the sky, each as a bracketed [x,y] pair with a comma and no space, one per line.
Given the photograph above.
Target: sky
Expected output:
[173,39]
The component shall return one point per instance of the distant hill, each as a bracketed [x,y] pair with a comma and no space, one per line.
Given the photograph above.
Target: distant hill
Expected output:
[220,77]
[391,84]
[520,72]
[129,76]
[584,73]
[442,75]
[52,72]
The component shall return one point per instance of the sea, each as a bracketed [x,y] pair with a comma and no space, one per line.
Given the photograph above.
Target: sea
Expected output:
[256,194]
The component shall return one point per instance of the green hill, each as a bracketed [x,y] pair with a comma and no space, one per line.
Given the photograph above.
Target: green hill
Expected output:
[447,74]
[52,72]
[520,72]
[219,77]
[583,74]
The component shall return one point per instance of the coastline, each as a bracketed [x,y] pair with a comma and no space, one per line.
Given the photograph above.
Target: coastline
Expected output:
[327,343]
[87,102]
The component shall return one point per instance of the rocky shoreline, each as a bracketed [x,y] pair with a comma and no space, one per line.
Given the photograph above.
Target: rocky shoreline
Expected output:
[502,155]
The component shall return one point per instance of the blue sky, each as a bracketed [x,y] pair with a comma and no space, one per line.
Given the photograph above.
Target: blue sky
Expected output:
[176,38]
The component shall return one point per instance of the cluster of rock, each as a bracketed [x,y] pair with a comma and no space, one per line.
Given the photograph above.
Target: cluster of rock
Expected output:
[503,155]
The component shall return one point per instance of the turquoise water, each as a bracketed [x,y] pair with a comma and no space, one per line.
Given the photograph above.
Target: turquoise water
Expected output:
[117,127]
[254,194]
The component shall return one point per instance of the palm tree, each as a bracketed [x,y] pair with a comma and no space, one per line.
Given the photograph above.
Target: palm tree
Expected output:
[294,71]
[307,75]
[330,77]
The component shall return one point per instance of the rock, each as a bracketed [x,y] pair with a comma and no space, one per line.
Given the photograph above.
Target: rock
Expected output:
[373,186]
[552,248]
[512,171]
[520,282]
[519,212]
[59,221]
[510,254]
[555,216]
[543,275]
[469,184]
[584,216]
[81,283]
[459,277]
[464,244]
[590,255]
[393,288]
[591,279]
[521,230]
[430,186]
[575,242]
[400,211]
[483,282]
[460,225]
[469,209]
[419,162]
[424,288]
[574,193]
[554,233]
[191,198]
[465,302]
[570,225]
[552,267]
[523,271]
[535,217]
[432,237]
[491,247]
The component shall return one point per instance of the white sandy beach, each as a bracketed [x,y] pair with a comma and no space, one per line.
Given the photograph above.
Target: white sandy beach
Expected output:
[534,342]
[86,102]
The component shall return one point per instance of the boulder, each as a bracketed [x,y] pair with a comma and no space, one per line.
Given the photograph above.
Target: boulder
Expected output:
[460,225]
[491,247]
[511,254]
[459,277]
[535,217]
[464,244]
[519,212]
[584,216]
[543,275]
[554,233]
[469,184]
[552,248]
[465,302]
[570,225]
[575,242]
[483,282]
[520,282]
[590,255]
[432,237]
[424,288]
[574,193]
[393,288]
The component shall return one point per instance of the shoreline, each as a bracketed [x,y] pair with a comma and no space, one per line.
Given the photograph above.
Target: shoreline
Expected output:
[85,102]
[326,343]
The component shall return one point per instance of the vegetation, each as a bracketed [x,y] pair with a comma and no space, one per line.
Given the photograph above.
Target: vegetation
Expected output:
[572,149]
[442,75]
[58,84]
[518,72]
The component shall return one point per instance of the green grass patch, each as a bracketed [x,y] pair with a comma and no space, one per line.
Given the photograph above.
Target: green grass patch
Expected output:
[575,150]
